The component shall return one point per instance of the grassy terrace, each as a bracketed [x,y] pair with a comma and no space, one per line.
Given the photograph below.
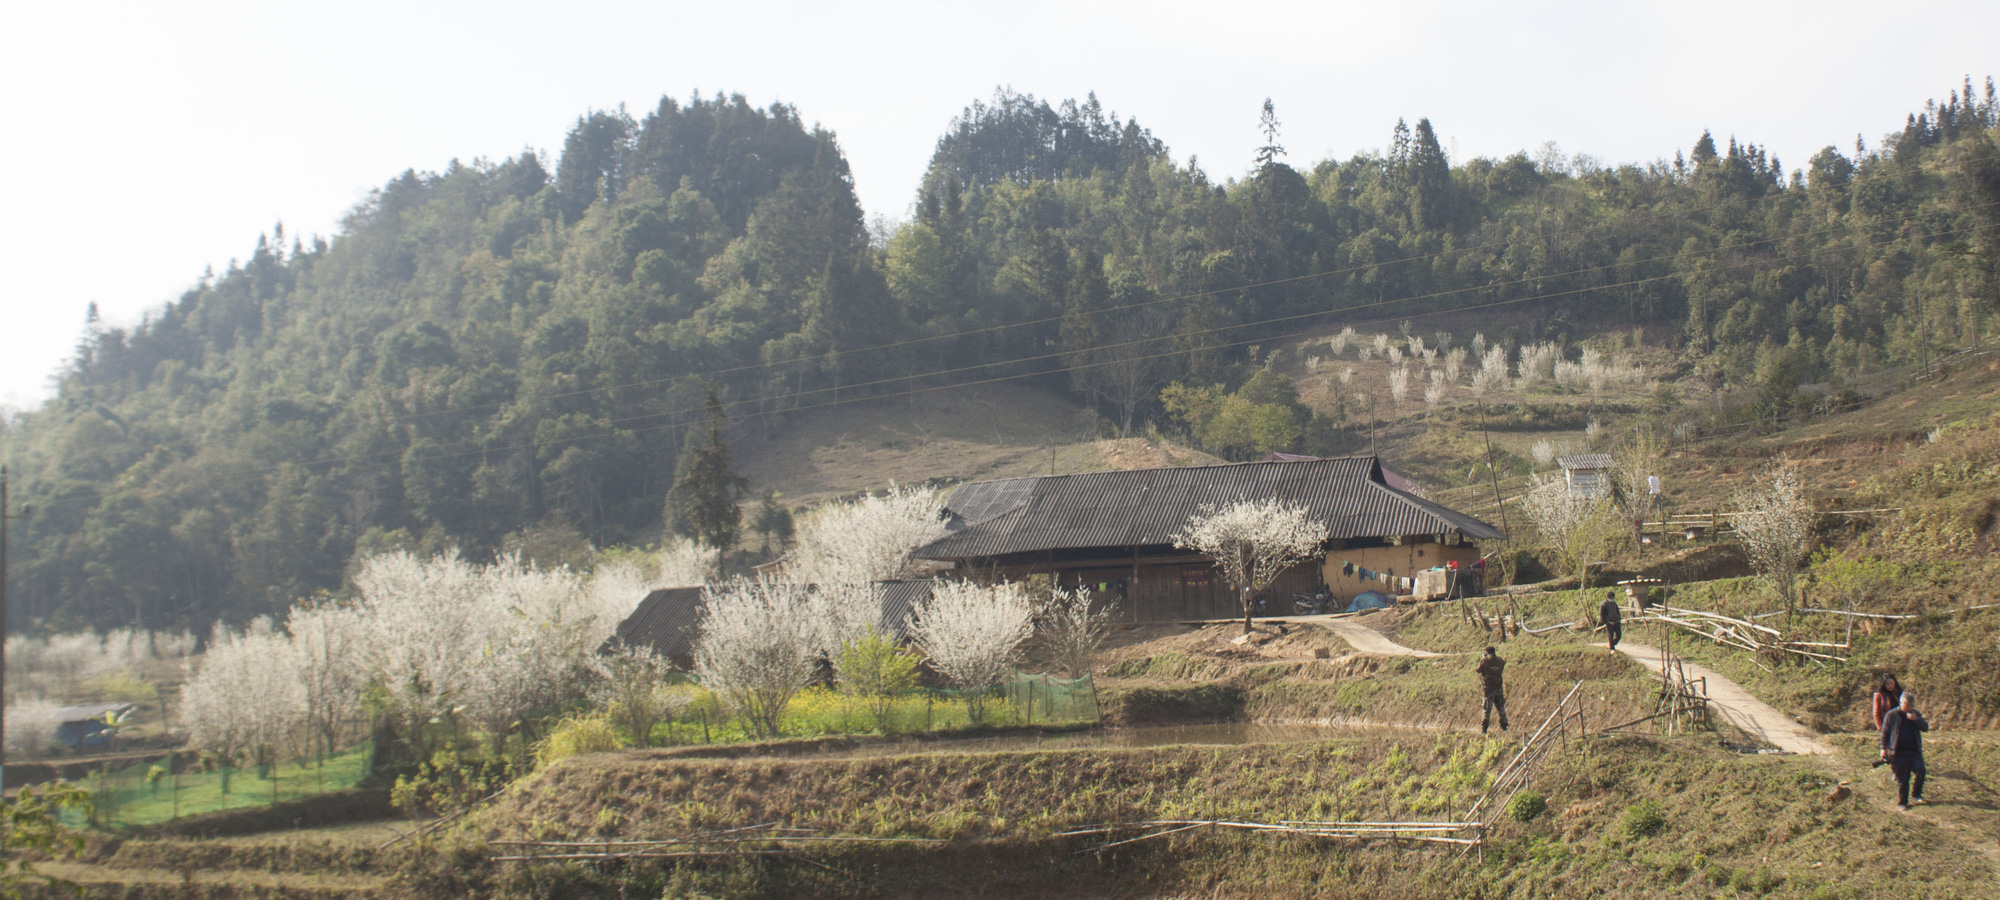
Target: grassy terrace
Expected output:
[1634,816]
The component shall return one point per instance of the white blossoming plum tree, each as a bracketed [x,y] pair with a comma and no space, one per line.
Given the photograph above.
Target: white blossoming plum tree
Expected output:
[970,633]
[1252,541]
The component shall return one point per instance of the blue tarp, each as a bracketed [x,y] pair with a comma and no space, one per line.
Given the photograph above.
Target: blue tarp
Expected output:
[1369,600]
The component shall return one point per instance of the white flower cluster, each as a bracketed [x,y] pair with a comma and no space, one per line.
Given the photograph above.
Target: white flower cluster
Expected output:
[971,631]
[1775,524]
[1252,541]
[443,640]
[866,540]
[57,664]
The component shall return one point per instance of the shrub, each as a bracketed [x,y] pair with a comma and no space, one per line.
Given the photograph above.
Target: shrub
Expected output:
[446,784]
[576,736]
[1643,819]
[1526,806]
[876,669]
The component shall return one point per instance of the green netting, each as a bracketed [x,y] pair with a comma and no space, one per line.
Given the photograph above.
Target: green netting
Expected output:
[1045,699]
[178,785]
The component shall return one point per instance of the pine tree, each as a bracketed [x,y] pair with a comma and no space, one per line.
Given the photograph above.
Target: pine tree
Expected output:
[702,504]
[1268,123]
[1430,181]
[774,522]
[1704,151]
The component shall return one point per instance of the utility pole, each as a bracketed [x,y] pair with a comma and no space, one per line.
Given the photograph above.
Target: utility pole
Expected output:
[1498,502]
[5,514]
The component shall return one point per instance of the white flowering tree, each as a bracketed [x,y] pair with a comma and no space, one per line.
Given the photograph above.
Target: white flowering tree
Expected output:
[1775,523]
[539,631]
[866,540]
[758,647]
[845,615]
[970,632]
[32,723]
[448,640]
[1252,541]
[1580,528]
[425,633]
[246,700]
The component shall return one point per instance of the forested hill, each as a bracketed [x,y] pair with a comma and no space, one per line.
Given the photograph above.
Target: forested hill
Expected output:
[496,346]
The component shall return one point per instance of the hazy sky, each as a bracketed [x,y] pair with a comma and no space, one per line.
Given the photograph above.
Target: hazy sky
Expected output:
[147,141]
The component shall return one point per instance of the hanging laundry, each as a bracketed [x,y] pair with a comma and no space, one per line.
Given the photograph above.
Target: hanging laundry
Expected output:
[1367,575]
[1346,568]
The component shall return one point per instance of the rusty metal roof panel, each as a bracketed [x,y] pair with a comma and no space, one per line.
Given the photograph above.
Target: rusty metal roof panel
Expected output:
[1148,506]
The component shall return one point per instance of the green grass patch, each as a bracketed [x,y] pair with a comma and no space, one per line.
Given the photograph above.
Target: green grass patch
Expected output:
[146,794]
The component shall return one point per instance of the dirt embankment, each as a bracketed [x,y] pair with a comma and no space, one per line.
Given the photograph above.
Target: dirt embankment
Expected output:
[1635,817]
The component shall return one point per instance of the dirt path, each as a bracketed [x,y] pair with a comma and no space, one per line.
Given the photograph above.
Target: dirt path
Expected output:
[1733,705]
[1364,638]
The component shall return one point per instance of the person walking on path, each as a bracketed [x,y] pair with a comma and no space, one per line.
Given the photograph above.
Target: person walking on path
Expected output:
[1903,749]
[1489,669]
[1609,617]
[1888,695]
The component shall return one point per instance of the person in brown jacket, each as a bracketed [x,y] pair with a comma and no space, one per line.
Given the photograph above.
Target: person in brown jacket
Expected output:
[1888,695]
[1489,669]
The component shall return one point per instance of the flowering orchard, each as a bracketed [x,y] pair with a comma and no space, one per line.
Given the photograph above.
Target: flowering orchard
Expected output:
[437,646]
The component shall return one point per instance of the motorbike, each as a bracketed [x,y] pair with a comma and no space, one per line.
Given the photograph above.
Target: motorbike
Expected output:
[1317,604]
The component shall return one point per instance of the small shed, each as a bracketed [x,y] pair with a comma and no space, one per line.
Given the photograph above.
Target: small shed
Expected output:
[1587,474]
[91,725]
[669,619]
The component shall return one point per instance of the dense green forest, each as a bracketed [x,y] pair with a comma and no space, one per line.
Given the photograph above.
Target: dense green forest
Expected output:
[498,347]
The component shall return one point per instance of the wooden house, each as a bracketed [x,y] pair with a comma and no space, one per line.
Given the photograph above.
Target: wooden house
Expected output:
[669,619]
[1113,532]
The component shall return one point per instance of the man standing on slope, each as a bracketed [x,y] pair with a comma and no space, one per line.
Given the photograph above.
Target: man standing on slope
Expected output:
[1489,669]
[1903,748]
[1609,617]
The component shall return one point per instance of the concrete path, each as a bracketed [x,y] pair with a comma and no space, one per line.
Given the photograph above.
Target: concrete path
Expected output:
[1729,703]
[1364,638]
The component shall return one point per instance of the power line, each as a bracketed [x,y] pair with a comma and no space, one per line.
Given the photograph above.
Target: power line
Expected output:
[1177,298]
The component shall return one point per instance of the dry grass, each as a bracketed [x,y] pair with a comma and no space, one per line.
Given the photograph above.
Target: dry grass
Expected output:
[1626,817]
[971,433]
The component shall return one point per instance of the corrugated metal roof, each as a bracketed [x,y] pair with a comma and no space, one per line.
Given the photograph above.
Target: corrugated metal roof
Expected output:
[1147,506]
[669,619]
[1586,461]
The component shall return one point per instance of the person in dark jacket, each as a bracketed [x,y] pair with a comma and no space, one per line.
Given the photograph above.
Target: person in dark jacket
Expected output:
[1888,695]
[1609,617]
[1903,748]
[1489,669]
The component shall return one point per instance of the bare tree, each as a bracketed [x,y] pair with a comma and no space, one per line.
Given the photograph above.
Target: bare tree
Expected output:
[632,688]
[1580,528]
[1775,523]
[1252,541]
[759,647]
[1072,631]
[1639,464]
[970,633]
[325,641]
